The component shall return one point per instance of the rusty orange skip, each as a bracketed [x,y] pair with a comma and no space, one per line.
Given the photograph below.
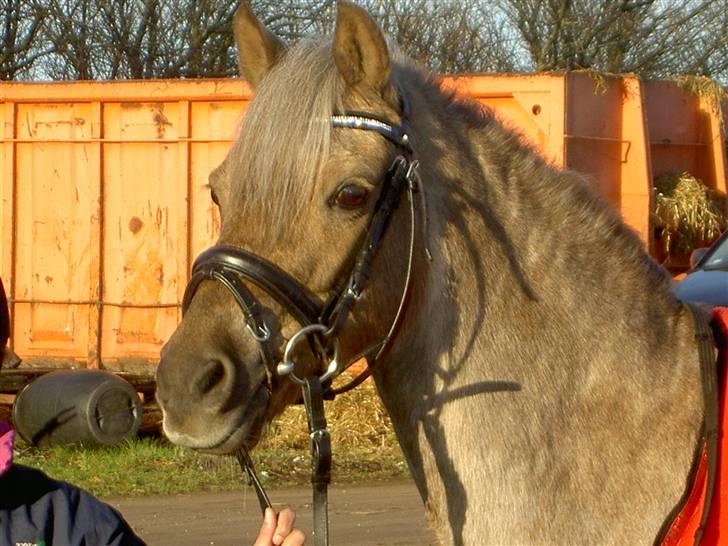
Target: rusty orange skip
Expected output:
[103,188]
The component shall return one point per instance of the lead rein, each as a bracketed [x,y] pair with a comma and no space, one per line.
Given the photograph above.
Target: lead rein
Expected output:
[246,464]
[320,461]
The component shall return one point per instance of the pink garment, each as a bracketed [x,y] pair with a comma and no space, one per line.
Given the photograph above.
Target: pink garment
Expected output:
[7,434]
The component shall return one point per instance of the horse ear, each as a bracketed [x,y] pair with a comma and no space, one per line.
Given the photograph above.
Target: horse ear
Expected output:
[258,48]
[360,50]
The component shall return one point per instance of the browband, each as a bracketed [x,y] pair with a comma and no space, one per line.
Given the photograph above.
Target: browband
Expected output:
[352,120]
[397,134]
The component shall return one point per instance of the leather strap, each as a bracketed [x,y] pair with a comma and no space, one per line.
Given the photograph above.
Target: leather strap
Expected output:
[287,291]
[320,458]
[246,464]
[384,346]
[709,372]
[320,462]
[389,198]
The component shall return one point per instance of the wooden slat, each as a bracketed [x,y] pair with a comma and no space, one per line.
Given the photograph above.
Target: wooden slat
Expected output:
[12,381]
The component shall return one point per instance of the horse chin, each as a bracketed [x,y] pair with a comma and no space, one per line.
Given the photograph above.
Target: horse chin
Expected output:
[245,432]
[241,427]
[246,435]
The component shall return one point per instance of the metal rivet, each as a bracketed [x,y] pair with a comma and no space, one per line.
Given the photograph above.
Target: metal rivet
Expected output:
[284,368]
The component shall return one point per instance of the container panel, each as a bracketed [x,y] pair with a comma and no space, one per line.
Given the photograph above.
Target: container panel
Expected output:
[214,126]
[523,106]
[593,140]
[53,229]
[54,121]
[532,104]
[145,226]
[678,129]
[636,196]
[217,120]
[606,140]
[51,334]
[204,214]
[7,184]
[513,113]
[57,189]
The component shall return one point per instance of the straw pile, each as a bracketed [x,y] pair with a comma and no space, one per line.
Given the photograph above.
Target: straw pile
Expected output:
[705,88]
[357,420]
[688,214]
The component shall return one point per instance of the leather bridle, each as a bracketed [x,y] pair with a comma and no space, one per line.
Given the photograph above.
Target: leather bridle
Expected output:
[321,322]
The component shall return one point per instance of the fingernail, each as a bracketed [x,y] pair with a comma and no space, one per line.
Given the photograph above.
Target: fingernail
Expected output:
[277,540]
[269,516]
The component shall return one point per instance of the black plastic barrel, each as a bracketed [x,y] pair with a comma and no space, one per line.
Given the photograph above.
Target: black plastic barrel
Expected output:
[89,407]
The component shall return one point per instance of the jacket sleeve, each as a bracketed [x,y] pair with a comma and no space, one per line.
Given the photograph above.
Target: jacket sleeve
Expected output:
[95,522]
[35,509]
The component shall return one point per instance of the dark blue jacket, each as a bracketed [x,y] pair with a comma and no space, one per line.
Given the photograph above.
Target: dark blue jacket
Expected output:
[36,510]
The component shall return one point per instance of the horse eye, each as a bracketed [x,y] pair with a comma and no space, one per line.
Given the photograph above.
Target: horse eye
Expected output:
[214,197]
[351,196]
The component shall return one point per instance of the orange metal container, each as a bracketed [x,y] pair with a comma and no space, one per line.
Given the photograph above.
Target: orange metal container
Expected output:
[620,131]
[104,206]
[104,198]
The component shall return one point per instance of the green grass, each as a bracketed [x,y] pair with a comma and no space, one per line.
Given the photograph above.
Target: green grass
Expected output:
[364,449]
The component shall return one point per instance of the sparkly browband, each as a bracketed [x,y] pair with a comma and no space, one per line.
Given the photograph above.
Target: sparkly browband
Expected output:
[397,135]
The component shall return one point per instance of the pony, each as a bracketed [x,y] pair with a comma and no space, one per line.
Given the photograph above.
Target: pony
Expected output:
[543,383]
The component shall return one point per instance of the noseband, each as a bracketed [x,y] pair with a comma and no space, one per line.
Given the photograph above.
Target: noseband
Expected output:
[321,322]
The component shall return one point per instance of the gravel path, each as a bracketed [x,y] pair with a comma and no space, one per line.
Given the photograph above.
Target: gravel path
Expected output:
[376,514]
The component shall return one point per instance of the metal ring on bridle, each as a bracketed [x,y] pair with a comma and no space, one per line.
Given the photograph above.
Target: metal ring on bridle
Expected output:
[263,333]
[287,366]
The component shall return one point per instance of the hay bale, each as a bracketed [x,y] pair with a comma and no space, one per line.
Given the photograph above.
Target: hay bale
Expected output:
[687,214]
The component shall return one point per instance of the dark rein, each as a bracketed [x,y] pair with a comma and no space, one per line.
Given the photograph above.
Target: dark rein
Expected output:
[321,322]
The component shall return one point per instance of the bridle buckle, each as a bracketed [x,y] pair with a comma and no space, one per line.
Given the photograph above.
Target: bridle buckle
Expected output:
[262,334]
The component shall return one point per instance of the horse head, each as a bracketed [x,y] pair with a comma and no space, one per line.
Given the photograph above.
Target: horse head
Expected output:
[298,195]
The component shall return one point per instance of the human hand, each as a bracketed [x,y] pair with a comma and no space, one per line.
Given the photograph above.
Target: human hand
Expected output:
[277,530]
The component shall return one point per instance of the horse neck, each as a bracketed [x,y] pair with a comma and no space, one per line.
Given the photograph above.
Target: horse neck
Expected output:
[506,222]
[507,229]
[536,297]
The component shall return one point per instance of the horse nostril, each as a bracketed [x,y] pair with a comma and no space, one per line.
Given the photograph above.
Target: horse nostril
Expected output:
[209,377]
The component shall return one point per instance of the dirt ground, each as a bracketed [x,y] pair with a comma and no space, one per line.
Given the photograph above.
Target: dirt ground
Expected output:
[363,515]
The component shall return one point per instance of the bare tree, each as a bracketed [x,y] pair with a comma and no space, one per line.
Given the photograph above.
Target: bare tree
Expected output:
[292,20]
[687,38]
[69,30]
[104,39]
[116,39]
[119,39]
[448,36]
[122,29]
[197,41]
[111,39]
[652,38]
[20,23]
